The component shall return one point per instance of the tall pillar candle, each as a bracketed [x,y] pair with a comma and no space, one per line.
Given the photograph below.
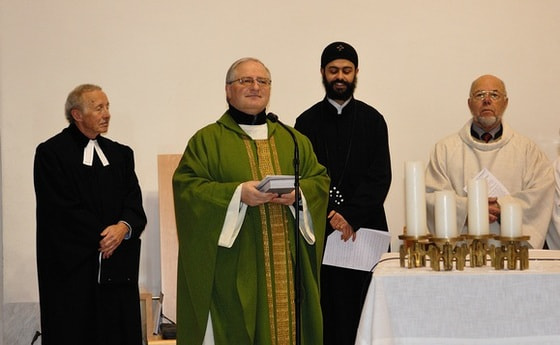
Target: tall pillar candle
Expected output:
[416,224]
[446,214]
[511,219]
[477,214]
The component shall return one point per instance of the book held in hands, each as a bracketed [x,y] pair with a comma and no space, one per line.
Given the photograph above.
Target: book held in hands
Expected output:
[280,184]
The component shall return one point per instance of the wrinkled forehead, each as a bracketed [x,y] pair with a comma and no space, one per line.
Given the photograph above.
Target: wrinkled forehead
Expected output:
[95,97]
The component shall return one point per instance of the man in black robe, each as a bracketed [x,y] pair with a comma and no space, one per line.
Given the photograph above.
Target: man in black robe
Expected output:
[89,219]
[350,139]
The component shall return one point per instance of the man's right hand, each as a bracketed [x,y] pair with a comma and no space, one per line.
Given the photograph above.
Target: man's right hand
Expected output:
[251,196]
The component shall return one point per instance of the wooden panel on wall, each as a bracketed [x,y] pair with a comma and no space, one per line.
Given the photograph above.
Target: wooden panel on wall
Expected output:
[167,163]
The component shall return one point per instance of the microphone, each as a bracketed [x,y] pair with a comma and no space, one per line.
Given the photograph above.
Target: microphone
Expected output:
[274,119]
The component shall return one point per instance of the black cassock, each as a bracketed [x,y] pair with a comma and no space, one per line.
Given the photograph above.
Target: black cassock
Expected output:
[354,147]
[75,203]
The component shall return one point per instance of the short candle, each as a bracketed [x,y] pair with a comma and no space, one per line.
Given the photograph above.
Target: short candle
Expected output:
[446,214]
[511,219]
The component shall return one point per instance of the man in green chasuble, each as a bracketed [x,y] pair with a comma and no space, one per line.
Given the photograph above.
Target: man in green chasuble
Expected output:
[236,244]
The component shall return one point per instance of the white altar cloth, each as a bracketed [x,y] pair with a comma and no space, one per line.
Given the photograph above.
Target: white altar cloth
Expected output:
[483,306]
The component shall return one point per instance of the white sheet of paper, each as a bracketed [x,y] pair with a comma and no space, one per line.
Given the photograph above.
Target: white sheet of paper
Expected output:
[495,187]
[362,254]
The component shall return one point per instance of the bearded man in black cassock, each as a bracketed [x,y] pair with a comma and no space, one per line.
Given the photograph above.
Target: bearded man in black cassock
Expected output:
[89,219]
[350,139]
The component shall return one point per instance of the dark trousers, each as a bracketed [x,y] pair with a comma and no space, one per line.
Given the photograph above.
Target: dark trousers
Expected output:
[342,297]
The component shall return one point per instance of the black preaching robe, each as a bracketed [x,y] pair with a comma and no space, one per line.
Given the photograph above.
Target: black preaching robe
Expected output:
[354,147]
[75,203]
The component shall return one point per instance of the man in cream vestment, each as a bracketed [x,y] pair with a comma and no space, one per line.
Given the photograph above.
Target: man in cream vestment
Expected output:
[486,142]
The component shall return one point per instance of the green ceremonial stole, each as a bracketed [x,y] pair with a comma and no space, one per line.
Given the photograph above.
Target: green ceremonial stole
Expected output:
[278,264]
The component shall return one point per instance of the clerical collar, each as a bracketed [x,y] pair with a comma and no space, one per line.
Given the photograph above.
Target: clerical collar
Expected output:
[339,107]
[477,132]
[242,118]
[90,145]
[93,145]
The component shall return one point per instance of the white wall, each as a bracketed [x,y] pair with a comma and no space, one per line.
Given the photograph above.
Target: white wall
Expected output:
[163,63]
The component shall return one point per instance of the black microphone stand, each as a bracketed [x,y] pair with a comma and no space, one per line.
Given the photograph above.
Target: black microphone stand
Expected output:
[297,269]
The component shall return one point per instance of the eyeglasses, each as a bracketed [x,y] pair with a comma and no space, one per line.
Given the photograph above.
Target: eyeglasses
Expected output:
[248,81]
[494,95]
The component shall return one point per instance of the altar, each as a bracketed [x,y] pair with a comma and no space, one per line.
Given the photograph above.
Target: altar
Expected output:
[482,305]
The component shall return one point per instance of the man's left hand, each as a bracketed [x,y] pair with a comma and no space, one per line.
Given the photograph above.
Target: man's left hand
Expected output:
[493,209]
[338,222]
[285,199]
[113,235]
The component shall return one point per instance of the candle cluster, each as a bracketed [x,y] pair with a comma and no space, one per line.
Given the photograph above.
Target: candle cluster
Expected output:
[445,210]
[448,246]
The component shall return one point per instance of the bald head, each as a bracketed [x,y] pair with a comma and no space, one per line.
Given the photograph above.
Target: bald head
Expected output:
[487,101]
[488,78]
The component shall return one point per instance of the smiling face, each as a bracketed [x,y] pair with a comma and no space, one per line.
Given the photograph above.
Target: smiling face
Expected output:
[93,117]
[487,102]
[249,98]
[339,79]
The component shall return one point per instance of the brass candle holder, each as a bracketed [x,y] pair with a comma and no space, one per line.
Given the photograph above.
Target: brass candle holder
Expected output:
[479,249]
[512,250]
[413,251]
[445,250]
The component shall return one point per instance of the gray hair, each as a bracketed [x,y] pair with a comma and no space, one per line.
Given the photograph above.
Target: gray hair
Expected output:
[230,75]
[75,99]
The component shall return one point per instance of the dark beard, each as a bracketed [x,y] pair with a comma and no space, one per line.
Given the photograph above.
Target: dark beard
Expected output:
[333,93]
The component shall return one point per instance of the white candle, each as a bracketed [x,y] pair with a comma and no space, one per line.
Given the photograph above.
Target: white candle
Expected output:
[477,218]
[415,191]
[446,214]
[511,219]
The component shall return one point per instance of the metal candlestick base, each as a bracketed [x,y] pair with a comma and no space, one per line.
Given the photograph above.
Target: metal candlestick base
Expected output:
[512,250]
[479,249]
[413,250]
[444,250]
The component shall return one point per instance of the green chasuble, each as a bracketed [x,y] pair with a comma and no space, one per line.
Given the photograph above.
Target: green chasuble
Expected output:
[249,288]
